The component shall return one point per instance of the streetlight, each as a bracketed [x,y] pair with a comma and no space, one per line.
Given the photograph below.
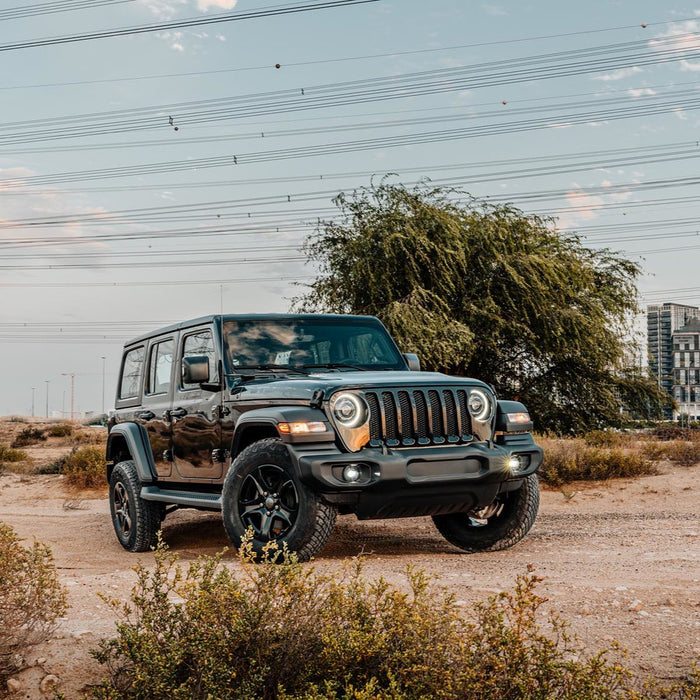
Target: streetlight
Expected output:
[103,383]
[47,381]
[33,390]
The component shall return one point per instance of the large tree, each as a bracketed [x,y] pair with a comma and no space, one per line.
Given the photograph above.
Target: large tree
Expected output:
[488,292]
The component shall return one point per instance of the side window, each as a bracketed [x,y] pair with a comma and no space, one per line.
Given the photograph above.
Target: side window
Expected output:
[196,345]
[160,364]
[130,384]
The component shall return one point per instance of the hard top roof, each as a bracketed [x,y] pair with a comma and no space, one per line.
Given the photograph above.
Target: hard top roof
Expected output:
[202,320]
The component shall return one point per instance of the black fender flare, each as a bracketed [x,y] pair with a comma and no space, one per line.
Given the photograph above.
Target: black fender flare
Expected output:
[271,416]
[136,439]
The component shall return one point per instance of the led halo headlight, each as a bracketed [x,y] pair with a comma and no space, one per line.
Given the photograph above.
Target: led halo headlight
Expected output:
[479,405]
[349,410]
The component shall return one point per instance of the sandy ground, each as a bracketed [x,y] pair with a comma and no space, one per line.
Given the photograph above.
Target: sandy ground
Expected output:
[621,560]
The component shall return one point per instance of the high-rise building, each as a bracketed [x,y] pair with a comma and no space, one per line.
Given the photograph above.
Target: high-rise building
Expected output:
[663,320]
[686,369]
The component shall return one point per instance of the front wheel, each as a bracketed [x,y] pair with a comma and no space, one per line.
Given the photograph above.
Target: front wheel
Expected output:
[263,494]
[136,522]
[498,526]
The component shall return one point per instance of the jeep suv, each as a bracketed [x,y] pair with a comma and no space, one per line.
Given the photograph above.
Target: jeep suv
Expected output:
[283,421]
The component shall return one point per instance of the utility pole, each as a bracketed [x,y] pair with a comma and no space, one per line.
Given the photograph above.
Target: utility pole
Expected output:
[33,390]
[72,392]
[47,396]
[103,384]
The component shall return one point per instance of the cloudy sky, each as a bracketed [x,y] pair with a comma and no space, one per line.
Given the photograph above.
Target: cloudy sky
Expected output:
[148,177]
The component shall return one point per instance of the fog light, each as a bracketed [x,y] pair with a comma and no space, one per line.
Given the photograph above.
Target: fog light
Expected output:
[352,473]
[514,464]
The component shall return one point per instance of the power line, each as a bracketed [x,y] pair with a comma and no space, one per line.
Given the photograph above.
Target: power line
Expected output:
[181,24]
[49,8]
[523,69]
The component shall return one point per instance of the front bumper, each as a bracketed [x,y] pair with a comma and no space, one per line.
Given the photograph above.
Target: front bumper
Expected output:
[418,481]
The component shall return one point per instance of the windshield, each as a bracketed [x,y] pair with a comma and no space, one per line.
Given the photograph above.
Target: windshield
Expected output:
[314,343]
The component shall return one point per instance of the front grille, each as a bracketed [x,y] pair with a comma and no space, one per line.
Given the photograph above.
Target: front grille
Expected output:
[405,417]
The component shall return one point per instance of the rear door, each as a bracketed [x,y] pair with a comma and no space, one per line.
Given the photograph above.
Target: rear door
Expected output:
[196,424]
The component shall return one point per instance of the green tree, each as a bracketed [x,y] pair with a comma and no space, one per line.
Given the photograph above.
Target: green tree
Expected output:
[486,291]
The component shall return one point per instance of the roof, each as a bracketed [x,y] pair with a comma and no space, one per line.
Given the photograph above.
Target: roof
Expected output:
[238,317]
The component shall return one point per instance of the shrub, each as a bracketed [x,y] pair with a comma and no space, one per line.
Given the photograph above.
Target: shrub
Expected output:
[55,467]
[681,452]
[567,460]
[60,430]
[7,454]
[85,467]
[606,438]
[283,630]
[31,598]
[28,436]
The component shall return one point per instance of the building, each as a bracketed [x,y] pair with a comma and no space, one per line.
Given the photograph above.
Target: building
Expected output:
[663,320]
[686,369]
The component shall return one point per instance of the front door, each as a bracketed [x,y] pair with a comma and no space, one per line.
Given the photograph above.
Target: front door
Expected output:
[196,425]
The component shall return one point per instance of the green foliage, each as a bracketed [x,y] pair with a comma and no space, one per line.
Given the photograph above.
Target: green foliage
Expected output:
[28,436]
[8,454]
[60,430]
[572,459]
[488,292]
[31,598]
[85,467]
[278,629]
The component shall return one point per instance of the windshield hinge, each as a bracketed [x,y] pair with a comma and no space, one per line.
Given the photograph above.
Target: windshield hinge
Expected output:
[317,399]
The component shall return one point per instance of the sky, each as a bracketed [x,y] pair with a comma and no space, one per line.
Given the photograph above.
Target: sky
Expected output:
[151,177]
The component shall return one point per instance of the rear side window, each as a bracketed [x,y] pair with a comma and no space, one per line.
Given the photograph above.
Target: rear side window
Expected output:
[160,367]
[198,344]
[132,369]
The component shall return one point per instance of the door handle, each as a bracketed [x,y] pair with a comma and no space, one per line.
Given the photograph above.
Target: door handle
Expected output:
[178,412]
[146,415]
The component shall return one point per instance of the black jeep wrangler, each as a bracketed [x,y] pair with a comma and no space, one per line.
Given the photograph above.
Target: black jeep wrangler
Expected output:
[283,421]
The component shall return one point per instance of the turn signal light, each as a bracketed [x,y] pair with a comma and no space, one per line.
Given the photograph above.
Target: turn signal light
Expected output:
[518,417]
[301,427]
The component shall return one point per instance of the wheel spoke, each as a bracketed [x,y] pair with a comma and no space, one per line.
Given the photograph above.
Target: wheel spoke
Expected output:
[265,525]
[260,490]
[285,515]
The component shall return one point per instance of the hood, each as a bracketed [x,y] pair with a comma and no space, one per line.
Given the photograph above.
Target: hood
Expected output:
[303,387]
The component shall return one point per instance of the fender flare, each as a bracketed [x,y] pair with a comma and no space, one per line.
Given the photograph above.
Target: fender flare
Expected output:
[139,447]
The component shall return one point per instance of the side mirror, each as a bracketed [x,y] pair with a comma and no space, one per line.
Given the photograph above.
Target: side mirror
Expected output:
[412,361]
[195,369]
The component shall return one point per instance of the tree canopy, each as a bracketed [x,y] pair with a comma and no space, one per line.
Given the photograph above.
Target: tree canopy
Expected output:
[486,291]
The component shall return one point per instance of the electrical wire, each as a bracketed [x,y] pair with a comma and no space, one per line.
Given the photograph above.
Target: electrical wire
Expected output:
[49,8]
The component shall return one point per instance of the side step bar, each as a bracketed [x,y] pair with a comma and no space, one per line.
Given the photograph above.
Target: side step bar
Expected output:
[192,499]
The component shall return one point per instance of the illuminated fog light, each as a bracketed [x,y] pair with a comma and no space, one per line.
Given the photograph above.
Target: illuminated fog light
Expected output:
[514,464]
[352,473]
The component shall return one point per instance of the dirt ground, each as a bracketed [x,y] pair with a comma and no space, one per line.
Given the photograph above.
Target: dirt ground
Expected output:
[620,559]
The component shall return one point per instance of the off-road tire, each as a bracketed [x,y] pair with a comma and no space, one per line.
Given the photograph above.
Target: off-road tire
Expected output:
[136,522]
[502,530]
[313,521]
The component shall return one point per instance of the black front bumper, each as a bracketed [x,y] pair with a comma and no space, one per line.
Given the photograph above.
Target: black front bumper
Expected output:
[418,481]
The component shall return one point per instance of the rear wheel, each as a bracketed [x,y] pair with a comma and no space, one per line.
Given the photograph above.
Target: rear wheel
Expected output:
[498,526]
[263,494]
[136,522]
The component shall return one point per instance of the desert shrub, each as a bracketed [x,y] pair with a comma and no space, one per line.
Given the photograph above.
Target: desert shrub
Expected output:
[60,430]
[671,432]
[31,598]
[567,460]
[90,436]
[682,452]
[28,436]
[607,438]
[283,630]
[54,467]
[8,454]
[85,467]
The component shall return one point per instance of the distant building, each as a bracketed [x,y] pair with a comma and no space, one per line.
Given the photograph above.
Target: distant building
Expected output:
[663,320]
[686,369]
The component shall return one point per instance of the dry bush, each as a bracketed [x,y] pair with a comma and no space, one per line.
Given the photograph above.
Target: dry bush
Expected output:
[31,598]
[681,452]
[571,459]
[60,430]
[90,436]
[608,438]
[28,436]
[8,454]
[85,467]
[278,629]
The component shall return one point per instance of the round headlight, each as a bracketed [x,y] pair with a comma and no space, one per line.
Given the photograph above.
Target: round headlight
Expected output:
[349,410]
[479,405]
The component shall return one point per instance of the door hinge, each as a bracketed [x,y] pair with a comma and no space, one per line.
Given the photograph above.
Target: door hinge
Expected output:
[220,411]
[220,455]
[167,456]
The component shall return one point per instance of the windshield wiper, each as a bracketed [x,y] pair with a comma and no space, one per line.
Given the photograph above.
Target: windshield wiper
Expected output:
[271,368]
[336,365]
